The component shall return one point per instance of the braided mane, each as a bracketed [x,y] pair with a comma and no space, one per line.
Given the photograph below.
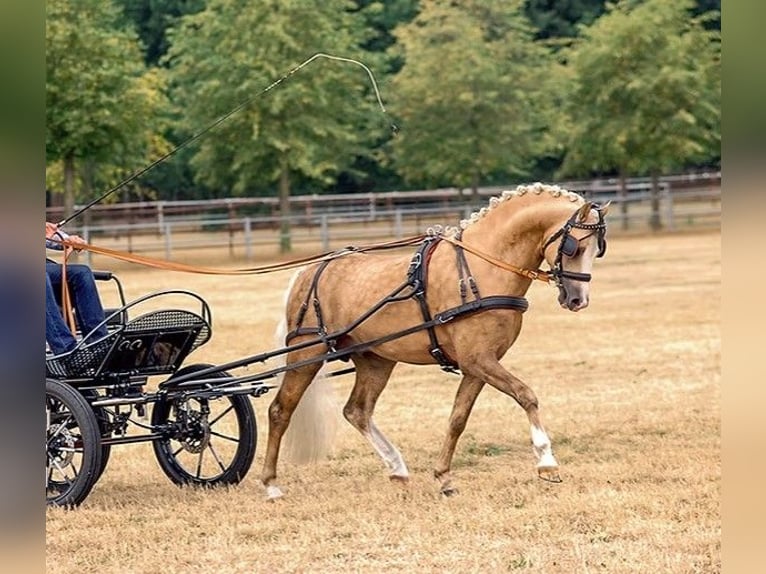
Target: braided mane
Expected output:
[535,188]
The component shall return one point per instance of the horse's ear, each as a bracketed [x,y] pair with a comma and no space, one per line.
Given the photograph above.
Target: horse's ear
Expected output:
[604,209]
[584,211]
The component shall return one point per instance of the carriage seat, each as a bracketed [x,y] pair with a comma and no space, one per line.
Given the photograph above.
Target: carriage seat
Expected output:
[153,344]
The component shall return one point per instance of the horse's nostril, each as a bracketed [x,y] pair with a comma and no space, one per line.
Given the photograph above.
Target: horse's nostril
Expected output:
[574,302]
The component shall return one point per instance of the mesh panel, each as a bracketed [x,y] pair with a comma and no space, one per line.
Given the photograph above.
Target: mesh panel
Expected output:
[84,361]
[87,360]
[171,319]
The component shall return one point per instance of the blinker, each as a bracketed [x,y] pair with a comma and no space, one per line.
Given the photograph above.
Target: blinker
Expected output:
[569,246]
[601,245]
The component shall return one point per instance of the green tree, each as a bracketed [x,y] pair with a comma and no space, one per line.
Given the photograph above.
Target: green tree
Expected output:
[152,18]
[311,126]
[100,100]
[383,17]
[560,18]
[645,93]
[475,94]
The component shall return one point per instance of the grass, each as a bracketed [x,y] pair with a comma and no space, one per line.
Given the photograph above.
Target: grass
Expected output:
[629,390]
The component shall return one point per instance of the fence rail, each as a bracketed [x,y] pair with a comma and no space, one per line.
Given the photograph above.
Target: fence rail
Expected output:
[253,237]
[310,205]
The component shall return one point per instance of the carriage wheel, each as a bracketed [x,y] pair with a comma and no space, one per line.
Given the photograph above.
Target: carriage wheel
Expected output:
[73,445]
[212,440]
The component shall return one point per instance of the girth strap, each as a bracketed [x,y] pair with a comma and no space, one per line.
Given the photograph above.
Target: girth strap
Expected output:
[417,276]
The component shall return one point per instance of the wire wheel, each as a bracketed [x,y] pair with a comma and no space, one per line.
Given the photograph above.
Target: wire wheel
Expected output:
[73,445]
[102,418]
[209,441]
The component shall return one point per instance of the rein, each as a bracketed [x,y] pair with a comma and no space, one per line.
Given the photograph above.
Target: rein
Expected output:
[537,274]
[534,274]
[292,264]
[66,300]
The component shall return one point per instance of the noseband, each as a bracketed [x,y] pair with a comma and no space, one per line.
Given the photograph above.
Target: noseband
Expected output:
[569,244]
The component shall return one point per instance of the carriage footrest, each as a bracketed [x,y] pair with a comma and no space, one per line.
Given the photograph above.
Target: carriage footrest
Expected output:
[84,360]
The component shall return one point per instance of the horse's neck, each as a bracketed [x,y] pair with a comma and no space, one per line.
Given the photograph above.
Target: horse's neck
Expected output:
[514,233]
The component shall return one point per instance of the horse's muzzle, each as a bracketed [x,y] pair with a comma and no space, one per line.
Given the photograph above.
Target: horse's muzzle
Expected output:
[572,297]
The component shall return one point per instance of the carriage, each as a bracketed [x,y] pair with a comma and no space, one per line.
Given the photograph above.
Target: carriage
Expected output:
[432,307]
[97,396]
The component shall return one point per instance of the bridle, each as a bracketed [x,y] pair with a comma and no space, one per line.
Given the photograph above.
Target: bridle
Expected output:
[569,245]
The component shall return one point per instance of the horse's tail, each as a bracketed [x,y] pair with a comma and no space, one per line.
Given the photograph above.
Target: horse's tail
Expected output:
[311,433]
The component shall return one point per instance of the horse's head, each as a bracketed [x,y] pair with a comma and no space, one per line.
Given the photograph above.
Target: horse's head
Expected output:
[570,252]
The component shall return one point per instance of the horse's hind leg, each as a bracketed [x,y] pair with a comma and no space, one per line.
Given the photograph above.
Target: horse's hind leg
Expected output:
[372,374]
[491,371]
[281,409]
[464,400]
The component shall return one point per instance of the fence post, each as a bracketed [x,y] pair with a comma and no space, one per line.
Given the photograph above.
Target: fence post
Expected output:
[168,242]
[160,216]
[668,205]
[398,223]
[248,239]
[372,207]
[324,232]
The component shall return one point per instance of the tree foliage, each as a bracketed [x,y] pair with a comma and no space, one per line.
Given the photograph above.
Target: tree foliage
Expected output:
[472,97]
[645,90]
[152,18]
[561,18]
[312,127]
[471,83]
[100,100]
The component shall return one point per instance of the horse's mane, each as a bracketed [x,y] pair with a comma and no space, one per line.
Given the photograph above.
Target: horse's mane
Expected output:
[535,188]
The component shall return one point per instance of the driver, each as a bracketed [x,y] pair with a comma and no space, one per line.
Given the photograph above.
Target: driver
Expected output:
[87,303]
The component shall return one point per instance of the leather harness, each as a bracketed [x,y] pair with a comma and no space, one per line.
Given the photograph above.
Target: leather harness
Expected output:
[413,287]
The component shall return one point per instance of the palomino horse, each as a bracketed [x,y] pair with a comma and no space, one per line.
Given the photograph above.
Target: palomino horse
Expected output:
[493,258]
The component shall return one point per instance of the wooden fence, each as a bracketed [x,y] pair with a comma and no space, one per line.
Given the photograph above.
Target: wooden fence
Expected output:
[249,228]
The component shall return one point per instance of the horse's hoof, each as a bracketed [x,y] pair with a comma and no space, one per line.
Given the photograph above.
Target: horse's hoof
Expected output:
[273,493]
[549,474]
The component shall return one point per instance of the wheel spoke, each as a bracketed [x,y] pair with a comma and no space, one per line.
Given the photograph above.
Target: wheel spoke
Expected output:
[219,417]
[62,472]
[226,437]
[49,468]
[199,464]
[217,459]
[61,426]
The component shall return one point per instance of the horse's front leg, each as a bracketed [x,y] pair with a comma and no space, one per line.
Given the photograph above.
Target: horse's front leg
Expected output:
[464,400]
[490,370]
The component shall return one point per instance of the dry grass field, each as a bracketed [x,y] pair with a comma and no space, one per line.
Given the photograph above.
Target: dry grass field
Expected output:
[630,393]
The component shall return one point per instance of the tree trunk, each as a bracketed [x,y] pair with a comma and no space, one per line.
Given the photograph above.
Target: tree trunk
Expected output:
[69,173]
[475,186]
[88,177]
[655,223]
[623,194]
[285,243]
